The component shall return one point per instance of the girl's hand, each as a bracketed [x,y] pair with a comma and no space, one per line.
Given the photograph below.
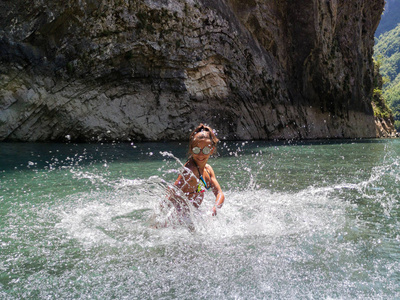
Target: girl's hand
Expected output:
[214,211]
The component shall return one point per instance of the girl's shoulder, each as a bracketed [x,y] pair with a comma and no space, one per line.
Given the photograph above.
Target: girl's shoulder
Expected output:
[209,169]
[189,165]
[189,169]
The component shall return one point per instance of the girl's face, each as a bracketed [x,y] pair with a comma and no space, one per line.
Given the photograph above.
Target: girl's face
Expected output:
[201,143]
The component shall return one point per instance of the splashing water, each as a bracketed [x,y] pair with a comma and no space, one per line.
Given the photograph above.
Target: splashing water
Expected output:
[316,220]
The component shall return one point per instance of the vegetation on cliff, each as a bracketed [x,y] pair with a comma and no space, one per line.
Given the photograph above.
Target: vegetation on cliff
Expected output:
[379,104]
[387,54]
[387,58]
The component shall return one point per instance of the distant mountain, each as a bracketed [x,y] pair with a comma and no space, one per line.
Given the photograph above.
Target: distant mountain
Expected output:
[390,17]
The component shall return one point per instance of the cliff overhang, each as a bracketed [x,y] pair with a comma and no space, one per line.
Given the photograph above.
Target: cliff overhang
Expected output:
[151,70]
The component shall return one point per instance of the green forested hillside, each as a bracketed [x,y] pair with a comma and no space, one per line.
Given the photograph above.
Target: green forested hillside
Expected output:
[387,54]
[390,17]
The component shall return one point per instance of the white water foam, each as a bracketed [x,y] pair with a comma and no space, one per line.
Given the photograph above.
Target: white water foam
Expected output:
[129,214]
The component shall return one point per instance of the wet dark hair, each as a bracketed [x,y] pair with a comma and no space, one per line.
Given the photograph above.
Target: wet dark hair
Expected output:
[208,133]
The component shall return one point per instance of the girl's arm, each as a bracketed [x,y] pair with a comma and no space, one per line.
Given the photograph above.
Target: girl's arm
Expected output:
[182,183]
[172,192]
[219,195]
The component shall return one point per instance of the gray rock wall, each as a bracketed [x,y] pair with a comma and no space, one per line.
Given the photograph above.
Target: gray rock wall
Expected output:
[153,69]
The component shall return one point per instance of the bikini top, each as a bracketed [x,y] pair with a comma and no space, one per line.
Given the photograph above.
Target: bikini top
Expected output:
[202,187]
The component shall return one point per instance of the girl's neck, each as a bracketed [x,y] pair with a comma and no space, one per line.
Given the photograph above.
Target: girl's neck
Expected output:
[200,165]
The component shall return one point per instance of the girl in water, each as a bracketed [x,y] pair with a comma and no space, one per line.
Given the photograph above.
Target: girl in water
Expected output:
[198,176]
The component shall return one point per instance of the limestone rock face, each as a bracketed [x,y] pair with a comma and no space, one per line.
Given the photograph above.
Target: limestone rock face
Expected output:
[153,69]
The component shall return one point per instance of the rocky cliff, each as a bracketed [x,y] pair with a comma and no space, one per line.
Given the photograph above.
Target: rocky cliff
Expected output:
[152,69]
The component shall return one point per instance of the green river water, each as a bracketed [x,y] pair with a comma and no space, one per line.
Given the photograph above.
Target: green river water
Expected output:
[304,220]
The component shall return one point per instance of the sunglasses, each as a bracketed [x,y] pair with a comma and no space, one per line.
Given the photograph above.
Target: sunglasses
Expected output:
[206,150]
